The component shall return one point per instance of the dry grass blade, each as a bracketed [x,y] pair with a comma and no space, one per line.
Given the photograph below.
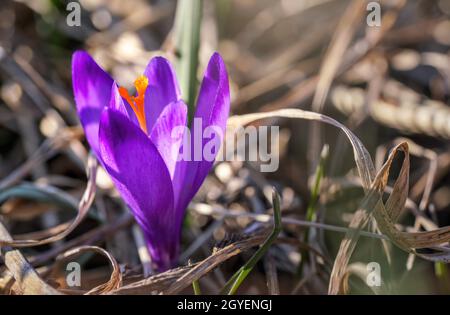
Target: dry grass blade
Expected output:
[374,185]
[362,158]
[173,281]
[83,208]
[26,277]
[272,277]
[212,261]
[341,40]
[386,216]
[359,270]
[115,280]
[153,284]
[371,201]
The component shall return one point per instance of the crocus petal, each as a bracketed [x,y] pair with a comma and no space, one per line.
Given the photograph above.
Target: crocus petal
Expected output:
[167,133]
[142,178]
[213,106]
[92,90]
[119,104]
[162,89]
[116,102]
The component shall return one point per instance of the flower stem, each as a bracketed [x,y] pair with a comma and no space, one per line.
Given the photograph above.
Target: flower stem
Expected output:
[237,279]
[187,36]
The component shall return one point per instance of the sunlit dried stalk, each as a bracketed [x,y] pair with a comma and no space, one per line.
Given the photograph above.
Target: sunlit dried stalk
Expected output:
[430,117]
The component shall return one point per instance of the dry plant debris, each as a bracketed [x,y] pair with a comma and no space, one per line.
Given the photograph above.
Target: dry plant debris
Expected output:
[302,66]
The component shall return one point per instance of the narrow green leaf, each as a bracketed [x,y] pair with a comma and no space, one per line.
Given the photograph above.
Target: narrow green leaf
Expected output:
[196,287]
[311,210]
[236,280]
[320,170]
[187,36]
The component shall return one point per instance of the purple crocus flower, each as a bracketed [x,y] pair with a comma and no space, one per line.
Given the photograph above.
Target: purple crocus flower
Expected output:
[133,138]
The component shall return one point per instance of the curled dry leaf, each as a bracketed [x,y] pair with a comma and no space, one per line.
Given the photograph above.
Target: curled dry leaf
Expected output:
[27,279]
[386,215]
[114,282]
[64,229]
[374,184]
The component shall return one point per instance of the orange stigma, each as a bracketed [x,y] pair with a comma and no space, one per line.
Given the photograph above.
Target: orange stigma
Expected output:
[137,103]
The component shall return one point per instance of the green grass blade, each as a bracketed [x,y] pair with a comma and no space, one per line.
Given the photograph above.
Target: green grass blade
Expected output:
[237,279]
[196,287]
[311,210]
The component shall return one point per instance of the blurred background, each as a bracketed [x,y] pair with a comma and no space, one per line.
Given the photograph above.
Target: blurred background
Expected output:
[387,82]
